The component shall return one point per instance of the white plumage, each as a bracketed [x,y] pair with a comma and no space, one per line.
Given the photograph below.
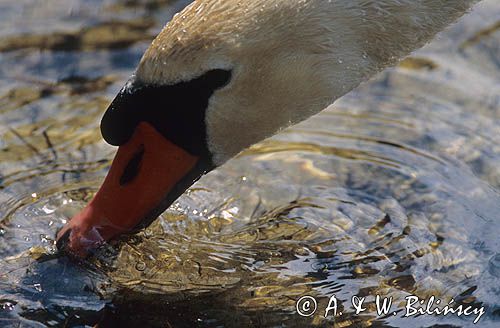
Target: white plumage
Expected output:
[290,58]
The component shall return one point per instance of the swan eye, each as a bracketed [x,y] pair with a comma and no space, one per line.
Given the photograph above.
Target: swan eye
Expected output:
[177,111]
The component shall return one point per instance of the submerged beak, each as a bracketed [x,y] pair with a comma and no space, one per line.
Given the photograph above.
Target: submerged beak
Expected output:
[161,134]
[147,174]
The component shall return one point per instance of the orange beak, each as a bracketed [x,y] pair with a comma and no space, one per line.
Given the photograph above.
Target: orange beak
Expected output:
[147,174]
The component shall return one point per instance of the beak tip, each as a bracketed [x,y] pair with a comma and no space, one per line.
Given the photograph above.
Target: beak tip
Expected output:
[62,239]
[76,241]
[65,245]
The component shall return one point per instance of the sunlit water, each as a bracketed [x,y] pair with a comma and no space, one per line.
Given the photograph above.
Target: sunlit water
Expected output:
[394,190]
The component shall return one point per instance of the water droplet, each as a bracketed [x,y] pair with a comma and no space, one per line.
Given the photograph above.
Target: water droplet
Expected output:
[140,266]
[7,306]
[38,287]
[51,249]
[48,210]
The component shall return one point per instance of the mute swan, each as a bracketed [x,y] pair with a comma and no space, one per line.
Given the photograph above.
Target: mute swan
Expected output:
[225,74]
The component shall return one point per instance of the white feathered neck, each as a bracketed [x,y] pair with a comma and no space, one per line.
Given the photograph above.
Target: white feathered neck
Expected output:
[290,58]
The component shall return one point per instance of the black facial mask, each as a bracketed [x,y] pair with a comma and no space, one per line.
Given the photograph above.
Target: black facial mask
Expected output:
[176,111]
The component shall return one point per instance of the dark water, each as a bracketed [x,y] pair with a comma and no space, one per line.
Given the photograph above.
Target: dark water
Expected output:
[392,191]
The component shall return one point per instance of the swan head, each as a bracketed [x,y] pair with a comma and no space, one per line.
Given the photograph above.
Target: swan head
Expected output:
[216,80]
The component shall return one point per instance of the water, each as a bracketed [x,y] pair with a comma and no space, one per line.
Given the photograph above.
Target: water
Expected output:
[394,190]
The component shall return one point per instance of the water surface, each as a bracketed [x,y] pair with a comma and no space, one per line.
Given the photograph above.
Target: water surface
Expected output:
[393,190]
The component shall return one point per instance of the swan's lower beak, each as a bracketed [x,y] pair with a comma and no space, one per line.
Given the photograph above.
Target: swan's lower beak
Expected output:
[147,174]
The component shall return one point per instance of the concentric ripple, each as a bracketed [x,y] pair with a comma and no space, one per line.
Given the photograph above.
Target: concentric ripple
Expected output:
[391,191]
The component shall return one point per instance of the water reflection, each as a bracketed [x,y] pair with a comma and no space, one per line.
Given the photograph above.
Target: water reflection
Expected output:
[391,191]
